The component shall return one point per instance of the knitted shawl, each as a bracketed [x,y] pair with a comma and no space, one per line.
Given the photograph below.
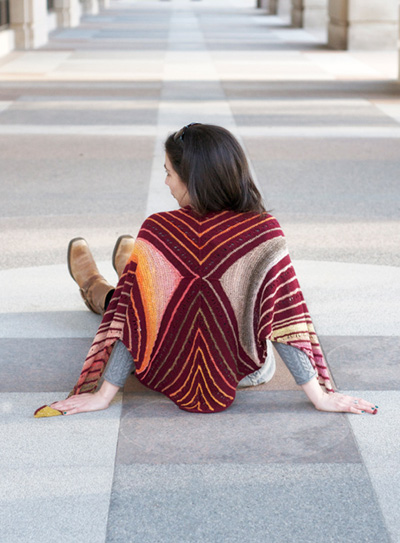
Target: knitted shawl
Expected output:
[197,300]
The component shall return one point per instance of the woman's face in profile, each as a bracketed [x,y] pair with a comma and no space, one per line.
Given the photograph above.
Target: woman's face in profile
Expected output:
[176,185]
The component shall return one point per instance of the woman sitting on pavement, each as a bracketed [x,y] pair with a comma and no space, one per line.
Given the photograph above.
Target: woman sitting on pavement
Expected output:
[203,291]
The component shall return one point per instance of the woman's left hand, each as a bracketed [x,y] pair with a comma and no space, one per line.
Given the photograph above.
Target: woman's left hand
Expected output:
[337,402]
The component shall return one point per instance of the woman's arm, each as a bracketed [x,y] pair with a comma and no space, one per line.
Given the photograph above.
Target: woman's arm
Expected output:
[119,366]
[304,374]
[335,401]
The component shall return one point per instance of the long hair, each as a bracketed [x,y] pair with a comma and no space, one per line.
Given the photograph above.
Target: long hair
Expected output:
[212,164]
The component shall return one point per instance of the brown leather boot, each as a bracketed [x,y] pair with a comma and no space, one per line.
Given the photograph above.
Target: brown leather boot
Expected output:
[122,251]
[82,267]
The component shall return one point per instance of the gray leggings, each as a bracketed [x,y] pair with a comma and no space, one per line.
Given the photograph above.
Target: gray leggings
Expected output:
[121,364]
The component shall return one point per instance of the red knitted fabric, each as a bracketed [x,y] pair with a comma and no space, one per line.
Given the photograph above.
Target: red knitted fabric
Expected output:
[197,300]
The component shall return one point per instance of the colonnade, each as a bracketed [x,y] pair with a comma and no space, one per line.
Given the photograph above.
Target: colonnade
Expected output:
[30,21]
[351,24]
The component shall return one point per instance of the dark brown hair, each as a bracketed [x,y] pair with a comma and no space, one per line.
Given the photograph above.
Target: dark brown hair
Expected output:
[213,166]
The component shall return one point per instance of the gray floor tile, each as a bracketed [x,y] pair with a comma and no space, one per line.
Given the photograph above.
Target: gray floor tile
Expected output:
[30,365]
[25,242]
[70,116]
[371,118]
[132,90]
[312,149]
[309,89]
[331,188]
[236,503]
[47,324]
[378,439]
[259,428]
[46,505]
[351,241]
[56,473]
[60,174]
[364,363]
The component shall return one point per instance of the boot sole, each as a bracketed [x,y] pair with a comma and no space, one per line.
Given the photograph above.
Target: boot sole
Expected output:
[116,247]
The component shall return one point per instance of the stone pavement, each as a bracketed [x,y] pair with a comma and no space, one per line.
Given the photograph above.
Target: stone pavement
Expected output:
[82,123]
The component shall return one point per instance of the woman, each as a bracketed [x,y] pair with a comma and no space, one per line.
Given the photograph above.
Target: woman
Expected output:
[204,290]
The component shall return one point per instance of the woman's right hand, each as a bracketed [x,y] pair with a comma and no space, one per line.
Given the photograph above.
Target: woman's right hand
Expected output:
[82,403]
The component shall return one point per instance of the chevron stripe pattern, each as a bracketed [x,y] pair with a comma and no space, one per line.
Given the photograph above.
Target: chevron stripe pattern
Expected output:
[196,303]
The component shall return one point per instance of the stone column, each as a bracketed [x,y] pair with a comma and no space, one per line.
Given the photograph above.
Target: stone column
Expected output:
[90,7]
[68,12]
[284,8]
[273,7]
[7,41]
[363,24]
[28,19]
[270,5]
[309,13]
[104,4]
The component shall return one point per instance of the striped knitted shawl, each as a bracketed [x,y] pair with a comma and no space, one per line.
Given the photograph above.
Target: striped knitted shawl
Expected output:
[196,302]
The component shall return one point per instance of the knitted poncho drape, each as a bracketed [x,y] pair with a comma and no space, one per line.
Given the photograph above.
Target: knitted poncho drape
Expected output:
[197,300]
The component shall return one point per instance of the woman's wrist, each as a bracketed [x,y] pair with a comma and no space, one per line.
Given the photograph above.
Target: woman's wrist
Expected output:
[314,392]
[107,391]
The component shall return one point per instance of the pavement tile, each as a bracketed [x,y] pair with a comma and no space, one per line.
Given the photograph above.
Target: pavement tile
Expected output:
[325,182]
[15,115]
[275,503]
[339,299]
[236,89]
[26,187]
[309,150]
[378,440]
[71,441]
[56,472]
[42,365]
[132,90]
[331,187]
[359,241]
[44,289]
[153,430]
[50,504]
[363,362]
[296,119]
[25,244]
[66,147]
